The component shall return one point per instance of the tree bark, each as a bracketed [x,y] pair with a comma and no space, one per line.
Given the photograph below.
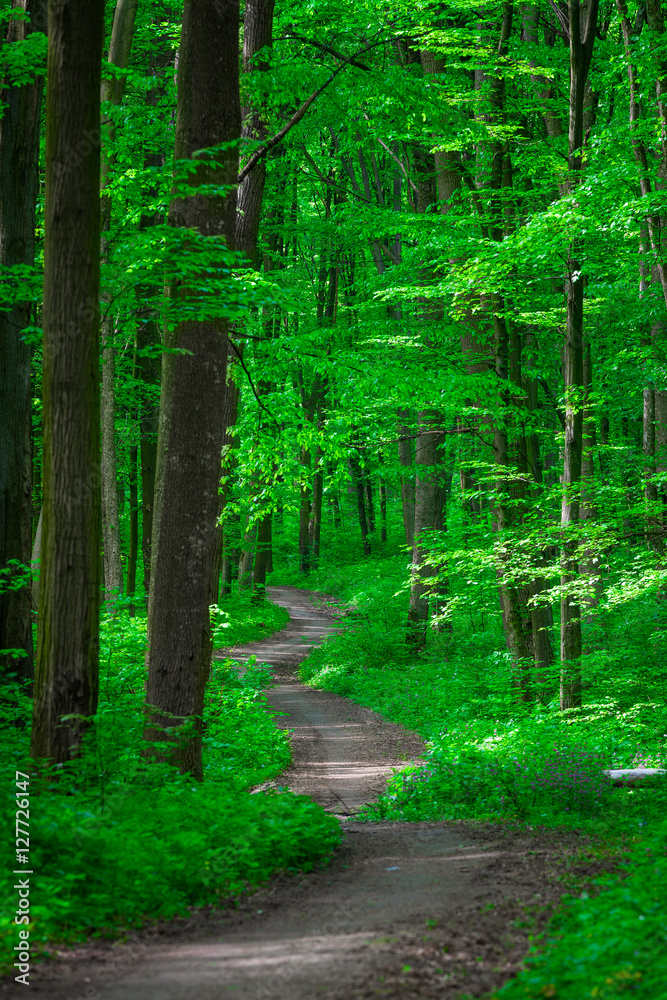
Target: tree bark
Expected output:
[67,668]
[358,481]
[407,480]
[112,92]
[191,429]
[428,514]
[247,557]
[370,506]
[257,35]
[383,511]
[261,559]
[305,507]
[113,571]
[581,50]
[148,370]
[315,525]
[19,185]
[134,526]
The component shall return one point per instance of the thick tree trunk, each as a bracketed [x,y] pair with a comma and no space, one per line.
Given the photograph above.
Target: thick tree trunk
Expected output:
[67,668]
[19,185]
[191,430]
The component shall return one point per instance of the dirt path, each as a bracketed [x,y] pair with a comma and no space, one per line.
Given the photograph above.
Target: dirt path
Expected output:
[342,752]
[397,914]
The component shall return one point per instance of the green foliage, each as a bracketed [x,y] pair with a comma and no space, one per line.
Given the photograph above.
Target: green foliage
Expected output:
[240,619]
[491,758]
[155,845]
[613,944]
[118,841]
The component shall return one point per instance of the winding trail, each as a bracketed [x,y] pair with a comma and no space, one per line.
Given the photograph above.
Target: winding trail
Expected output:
[343,931]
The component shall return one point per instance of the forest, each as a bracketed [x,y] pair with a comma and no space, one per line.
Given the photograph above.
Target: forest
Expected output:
[365,301]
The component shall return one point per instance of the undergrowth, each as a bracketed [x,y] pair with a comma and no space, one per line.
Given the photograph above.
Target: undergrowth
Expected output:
[493,758]
[613,944]
[116,842]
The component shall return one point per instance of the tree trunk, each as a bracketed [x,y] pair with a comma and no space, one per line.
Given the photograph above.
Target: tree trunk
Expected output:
[661,448]
[383,511]
[112,92]
[191,430]
[261,558]
[148,370]
[247,557]
[305,507]
[315,526]
[407,479]
[368,490]
[19,185]
[36,560]
[358,480]
[67,668]
[113,571]
[227,573]
[335,506]
[581,50]
[428,512]
[134,527]
[257,35]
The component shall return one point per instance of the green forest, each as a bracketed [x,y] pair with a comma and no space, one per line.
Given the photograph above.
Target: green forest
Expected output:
[367,299]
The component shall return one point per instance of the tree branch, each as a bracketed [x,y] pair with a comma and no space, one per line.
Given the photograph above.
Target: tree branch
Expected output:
[325,48]
[298,115]
[250,381]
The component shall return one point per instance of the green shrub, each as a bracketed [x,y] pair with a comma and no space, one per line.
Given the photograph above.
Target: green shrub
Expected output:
[614,943]
[116,842]
[154,846]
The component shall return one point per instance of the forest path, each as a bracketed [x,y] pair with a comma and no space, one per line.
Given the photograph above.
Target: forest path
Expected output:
[342,753]
[397,896]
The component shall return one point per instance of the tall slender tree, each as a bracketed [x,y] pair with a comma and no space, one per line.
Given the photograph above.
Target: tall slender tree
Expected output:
[112,93]
[581,39]
[19,184]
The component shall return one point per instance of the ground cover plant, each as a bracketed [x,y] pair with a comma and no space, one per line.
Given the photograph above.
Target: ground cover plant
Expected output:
[493,757]
[118,841]
[613,945]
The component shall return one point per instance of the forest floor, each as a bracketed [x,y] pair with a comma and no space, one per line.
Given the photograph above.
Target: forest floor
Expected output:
[411,911]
